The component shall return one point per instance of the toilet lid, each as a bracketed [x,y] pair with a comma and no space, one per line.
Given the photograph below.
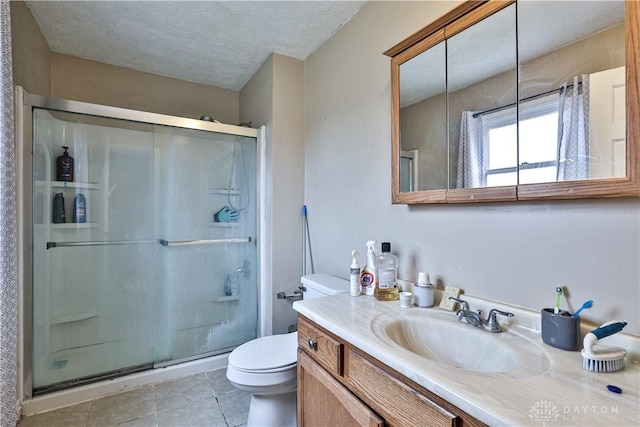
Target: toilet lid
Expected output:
[274,351]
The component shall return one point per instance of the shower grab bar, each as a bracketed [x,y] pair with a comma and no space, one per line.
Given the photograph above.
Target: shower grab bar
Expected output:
[163,242]
[204,242]
[98,243]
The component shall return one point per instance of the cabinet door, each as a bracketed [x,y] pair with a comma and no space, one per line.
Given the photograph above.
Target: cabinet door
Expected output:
[398,403]
[323,401]
[326,351]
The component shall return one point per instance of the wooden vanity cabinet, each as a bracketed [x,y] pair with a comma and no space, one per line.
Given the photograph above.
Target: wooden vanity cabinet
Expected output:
[323,401]
[340,385]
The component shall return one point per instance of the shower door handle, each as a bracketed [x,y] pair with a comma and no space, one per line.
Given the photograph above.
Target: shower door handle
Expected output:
[204,242]
[51,245]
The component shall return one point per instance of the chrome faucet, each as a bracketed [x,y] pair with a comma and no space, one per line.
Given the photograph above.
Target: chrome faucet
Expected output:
[464,304]
[465,315]
[491,324]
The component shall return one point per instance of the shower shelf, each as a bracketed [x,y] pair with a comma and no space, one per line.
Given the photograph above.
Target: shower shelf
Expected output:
[74,225]
[85,185]
[223,224]
[226,298]
[65,184]
[224,191]
[59,320]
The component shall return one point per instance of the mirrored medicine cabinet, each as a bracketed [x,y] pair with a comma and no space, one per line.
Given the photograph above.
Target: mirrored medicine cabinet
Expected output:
[518,100]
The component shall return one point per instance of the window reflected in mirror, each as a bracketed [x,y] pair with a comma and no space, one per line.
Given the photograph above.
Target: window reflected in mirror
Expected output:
[530,159]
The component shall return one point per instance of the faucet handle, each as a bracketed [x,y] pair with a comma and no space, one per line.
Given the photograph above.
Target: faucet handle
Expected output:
[492,320]
[465,305]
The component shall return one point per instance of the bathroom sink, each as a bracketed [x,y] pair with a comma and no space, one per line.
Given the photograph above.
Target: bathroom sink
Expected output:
[439,337]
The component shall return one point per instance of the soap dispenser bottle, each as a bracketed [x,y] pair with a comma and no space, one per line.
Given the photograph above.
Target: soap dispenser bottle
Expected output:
[386,274]
[354,277]
[368,275]
[64,167]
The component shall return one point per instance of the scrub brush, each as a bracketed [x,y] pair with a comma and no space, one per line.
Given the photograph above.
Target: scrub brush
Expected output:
[603,358]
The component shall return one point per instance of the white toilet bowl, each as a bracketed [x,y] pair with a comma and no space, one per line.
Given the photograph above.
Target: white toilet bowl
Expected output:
[266,368]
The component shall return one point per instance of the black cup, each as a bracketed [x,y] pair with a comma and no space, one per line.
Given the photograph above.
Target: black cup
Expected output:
[560,330]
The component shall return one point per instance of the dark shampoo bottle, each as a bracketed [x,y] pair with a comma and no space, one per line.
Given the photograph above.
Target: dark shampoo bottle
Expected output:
[58,215]
[65,166]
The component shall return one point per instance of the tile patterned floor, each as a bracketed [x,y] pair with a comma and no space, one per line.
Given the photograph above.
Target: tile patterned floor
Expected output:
[202,400]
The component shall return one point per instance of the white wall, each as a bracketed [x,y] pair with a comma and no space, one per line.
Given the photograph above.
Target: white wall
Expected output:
[515,253]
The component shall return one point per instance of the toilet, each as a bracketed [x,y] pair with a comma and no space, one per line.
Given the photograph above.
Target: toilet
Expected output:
[266,366]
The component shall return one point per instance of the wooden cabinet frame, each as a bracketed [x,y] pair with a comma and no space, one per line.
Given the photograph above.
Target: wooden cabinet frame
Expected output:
[466,15]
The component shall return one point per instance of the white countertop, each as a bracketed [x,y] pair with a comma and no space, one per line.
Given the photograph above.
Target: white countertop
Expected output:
[562,394]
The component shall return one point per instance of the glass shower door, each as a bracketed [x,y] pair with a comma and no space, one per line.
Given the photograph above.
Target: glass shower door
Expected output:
[209,262]
[148,277]
[90,283]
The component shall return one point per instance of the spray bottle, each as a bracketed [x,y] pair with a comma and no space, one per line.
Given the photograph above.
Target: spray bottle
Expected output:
[368,276]
[354,278]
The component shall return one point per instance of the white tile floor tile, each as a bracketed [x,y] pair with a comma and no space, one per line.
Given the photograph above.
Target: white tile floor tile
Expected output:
[202,400]
[123,407]
[203,413]
[183,391]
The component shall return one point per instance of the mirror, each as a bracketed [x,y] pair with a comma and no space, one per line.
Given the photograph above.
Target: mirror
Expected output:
[490,45]
[459,132]
[423,121]
[571,82]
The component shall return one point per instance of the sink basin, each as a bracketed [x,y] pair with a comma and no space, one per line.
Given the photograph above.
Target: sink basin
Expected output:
[439,337]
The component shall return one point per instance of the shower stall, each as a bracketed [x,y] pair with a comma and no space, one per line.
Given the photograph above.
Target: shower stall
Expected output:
[139,272]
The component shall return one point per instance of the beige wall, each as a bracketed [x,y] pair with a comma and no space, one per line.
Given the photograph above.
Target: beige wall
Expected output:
[287,157]
[512,252]
[31,55]
[424,128]
[256,106]
[274,97]
[90,81]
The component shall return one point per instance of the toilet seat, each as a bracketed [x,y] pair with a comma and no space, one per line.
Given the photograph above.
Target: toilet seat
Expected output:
[270,354]
[265,371]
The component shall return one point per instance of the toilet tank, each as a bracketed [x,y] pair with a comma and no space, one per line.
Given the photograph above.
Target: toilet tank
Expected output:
[321,285]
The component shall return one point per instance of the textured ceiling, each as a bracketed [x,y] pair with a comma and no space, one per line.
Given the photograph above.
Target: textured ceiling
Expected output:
[219,43]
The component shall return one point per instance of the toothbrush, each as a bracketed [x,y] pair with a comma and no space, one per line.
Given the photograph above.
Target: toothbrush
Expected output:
[587,304]
[556,309]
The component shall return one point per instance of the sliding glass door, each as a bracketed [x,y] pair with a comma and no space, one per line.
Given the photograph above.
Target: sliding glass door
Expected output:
[145,256]
[210,295]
